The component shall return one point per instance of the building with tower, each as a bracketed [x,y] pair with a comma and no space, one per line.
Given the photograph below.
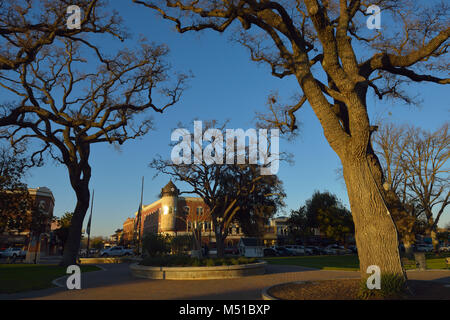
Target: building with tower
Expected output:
[176,215]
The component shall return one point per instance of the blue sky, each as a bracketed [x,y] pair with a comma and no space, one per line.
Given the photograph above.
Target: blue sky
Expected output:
[227,85]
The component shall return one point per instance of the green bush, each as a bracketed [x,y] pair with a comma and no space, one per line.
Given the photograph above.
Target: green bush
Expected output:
[196,262]
[180,244]
[187,261]
[155,244]
[393,286]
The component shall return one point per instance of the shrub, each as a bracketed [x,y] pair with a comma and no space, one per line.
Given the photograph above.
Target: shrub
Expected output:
[393,286]
[154,244]
[196,262]
[187,261]
[210,263]
[179,244]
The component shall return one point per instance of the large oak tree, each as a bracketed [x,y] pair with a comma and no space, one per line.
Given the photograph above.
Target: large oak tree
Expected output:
[415,162]
[336,60]
[68,97]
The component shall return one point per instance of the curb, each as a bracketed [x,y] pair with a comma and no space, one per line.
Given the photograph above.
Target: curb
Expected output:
[266,296]
[265,292]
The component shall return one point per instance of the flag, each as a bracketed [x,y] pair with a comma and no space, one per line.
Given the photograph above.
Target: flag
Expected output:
[139,219]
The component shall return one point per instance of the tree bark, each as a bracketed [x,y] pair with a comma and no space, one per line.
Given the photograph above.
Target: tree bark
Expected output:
[434,240]
[219,241]
[72,244]
[197,252]
[79,179]
[409,252]
[375,231]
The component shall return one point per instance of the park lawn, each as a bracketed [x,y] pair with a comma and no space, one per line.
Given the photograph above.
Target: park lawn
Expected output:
[26,277]
[345,262]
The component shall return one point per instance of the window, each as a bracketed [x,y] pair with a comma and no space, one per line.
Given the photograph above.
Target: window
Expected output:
[199,211]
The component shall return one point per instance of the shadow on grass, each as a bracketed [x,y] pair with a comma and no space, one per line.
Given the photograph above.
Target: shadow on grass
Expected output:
[344,262]
[348,262]
[16,278]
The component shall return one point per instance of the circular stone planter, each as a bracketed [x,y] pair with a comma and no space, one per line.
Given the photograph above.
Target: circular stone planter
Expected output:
[107,260]
[265,293]
[198,273]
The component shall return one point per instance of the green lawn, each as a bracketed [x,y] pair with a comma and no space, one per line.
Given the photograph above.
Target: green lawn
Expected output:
[346,262]
[25,277]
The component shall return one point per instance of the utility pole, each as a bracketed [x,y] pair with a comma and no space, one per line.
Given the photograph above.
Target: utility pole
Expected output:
[89,225]
[139,217]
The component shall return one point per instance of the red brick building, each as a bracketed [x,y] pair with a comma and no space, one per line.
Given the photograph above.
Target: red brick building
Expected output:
[176,215]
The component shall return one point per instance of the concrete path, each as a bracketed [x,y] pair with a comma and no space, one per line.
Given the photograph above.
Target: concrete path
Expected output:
[116,283]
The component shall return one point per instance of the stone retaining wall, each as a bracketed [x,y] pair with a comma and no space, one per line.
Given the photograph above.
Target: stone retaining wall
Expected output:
[198,273]
[107,260]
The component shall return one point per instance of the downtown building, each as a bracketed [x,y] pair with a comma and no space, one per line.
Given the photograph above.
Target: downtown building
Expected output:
[42,202]
[175,215]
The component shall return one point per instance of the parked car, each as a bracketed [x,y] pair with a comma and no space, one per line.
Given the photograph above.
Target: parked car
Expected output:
[269,252]
[231,250]
[308,251]
[116,252]
[314,250]
[282,251]
[296,249]
[444,248]
[332,249]
[353,249]
[424,247]
[13,253]
[343,250]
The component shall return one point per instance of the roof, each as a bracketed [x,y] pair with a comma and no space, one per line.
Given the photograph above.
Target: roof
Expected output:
[170,189]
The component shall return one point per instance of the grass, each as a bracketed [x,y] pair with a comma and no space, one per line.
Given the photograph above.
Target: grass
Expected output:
[26,277]
[348,262]
[345,262]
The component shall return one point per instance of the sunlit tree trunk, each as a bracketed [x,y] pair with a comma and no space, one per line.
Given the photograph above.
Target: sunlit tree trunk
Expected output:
[375,232]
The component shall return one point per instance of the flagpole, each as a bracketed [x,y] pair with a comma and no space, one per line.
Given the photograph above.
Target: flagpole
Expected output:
[139,217]
[89,225]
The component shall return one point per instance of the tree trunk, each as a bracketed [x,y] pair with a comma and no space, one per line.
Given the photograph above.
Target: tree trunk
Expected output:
[434,240]
[375,231]
[409,252]
[219,242]
[197,252]
[72,245]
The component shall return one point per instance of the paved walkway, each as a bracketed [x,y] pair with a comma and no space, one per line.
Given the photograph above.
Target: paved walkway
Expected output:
[116,283]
